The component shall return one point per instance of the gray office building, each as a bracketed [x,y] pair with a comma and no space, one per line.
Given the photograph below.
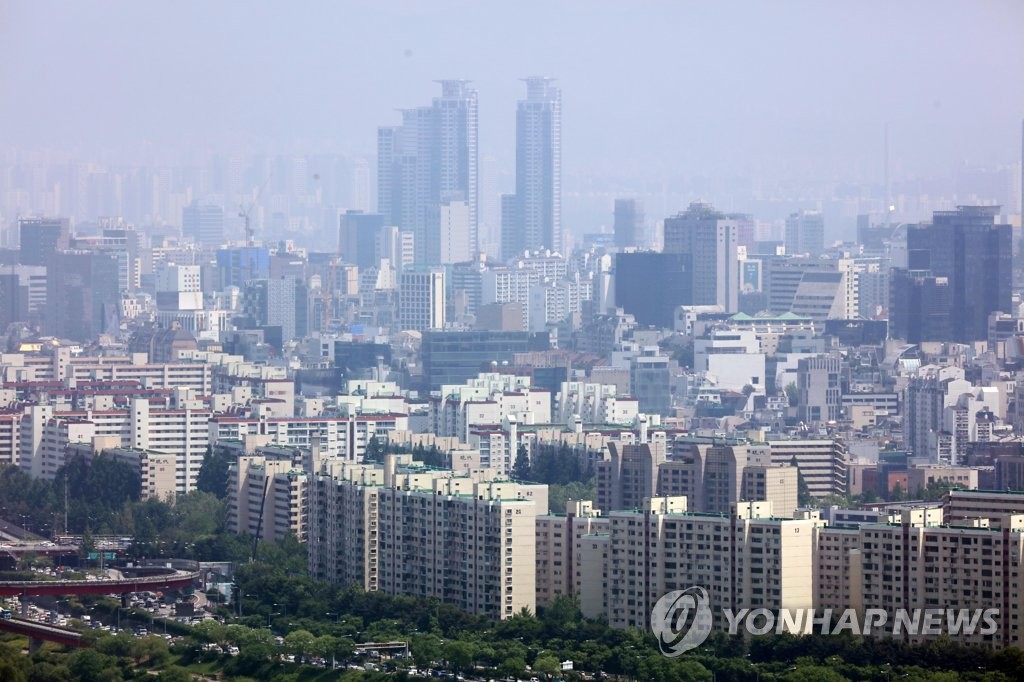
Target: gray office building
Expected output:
[629,223]
[709,238]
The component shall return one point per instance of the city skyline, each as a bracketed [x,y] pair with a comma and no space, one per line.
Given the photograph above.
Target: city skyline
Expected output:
[778,114]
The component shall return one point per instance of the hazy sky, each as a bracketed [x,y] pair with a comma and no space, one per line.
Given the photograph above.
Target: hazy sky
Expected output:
[649,88]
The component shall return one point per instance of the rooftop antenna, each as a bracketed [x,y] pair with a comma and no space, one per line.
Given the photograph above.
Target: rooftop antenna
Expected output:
[890,207]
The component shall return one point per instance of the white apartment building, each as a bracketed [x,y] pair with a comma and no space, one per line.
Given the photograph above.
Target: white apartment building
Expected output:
[427,533]
[157,471]
[61,366]
[267,498]
[344,437]
[744,560]
[45,434]
[922,560]
[594,403]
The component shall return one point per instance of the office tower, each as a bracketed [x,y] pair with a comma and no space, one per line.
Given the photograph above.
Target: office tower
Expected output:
[397,246]
[82,295]
[23,295]
[237,265]
[650,381]
[512,242]
[710,240]
[13,298]
[41,238]
[974,255]
[452,357]
[784,274]
[805,233]
[178,287]
[818,386]
[422,299]
[639,275]
[358,235]
[454,242]
[822,463]
[629,223]
[919,307]
[534,213]
[429,160]
[204,223]
[281,302]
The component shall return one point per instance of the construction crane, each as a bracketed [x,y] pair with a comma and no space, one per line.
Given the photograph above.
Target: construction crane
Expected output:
[245,213]
[327,302]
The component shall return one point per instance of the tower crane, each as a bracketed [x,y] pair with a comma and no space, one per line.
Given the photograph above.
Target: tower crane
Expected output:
[245,213]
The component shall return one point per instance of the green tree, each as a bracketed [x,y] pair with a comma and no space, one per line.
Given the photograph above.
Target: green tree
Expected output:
[803,491]
[792,394]
[299,642]
[459,655]
[514,667]
[559,494]
[213,473]
[89,665]
[425,649]
[547,665]
[521,468]
[175,673]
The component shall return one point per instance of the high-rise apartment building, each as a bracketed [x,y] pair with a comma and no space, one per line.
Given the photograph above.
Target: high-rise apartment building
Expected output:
[629,223]
[406,530]
[709,237]
[267,498]
[744,559]
[805,233]
[428,161]
[532,217]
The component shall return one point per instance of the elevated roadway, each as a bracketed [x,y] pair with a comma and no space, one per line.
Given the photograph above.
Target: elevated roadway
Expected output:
[172,580]
[37,632]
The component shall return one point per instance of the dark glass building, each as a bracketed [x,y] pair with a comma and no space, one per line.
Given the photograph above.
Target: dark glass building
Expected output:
[82,295]
[629,222]
[975,256]
[650,285]
[454,357]
[40,238]
[919,307]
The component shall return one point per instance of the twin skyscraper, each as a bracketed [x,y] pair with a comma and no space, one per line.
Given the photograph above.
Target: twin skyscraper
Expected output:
[428,175]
